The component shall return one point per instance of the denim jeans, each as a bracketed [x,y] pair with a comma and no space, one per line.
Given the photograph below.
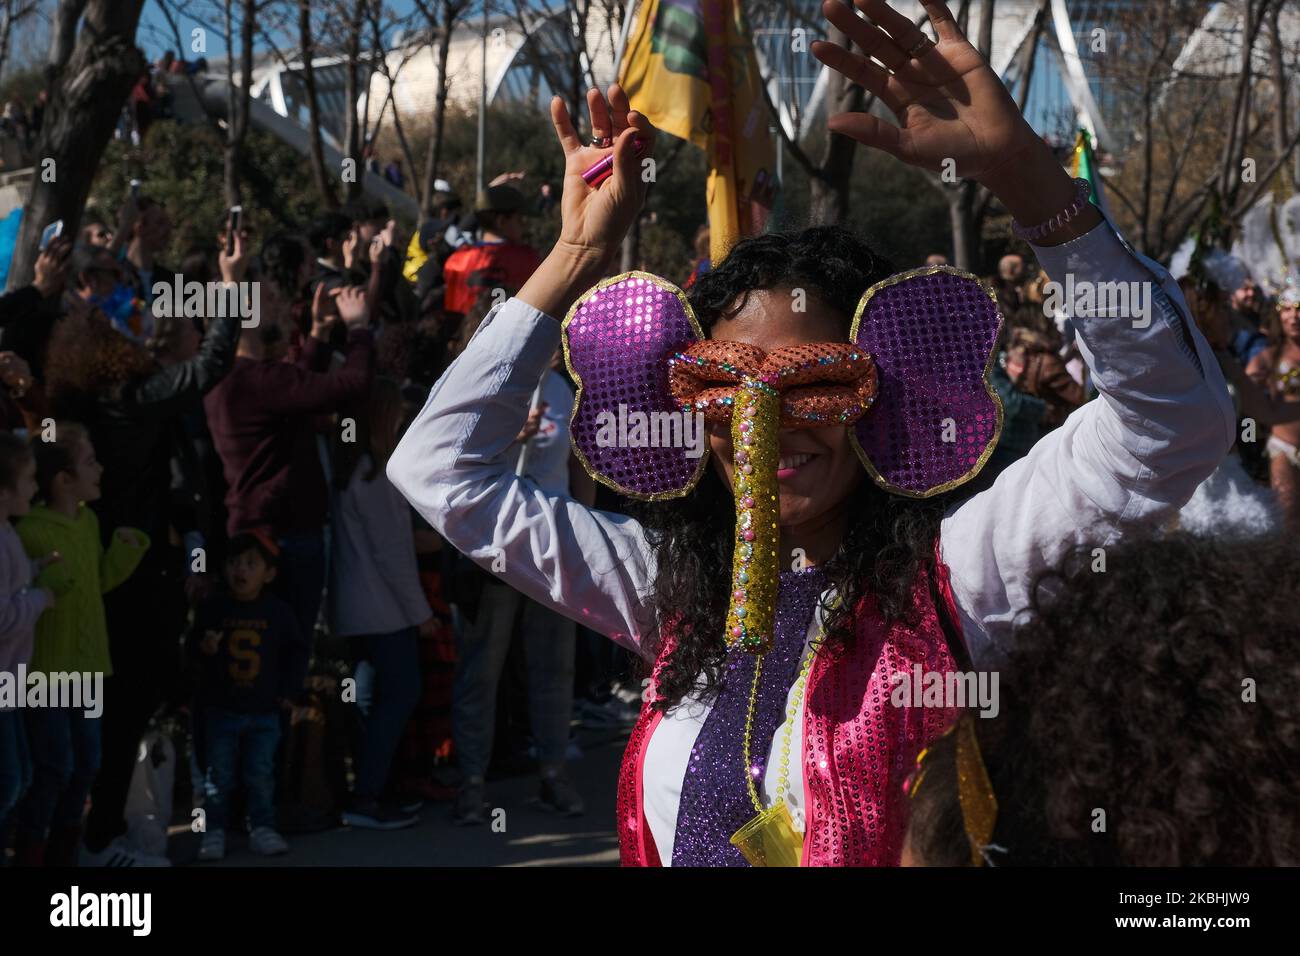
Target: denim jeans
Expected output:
[395,690]
[252,737]
[549,641]
[300,576]
[65,749]
[15,764]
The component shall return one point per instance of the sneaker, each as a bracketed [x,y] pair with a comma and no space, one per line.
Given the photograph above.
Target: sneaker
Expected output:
[471,807]
[558,794]
[213,846]
[373,815]
[118,854]
[264,841]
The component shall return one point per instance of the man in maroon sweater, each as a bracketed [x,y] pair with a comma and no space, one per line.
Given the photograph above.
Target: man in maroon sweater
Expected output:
[263,418]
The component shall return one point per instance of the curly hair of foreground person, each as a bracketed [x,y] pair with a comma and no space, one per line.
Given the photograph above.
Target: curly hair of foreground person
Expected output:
[1150,716]
[89,359]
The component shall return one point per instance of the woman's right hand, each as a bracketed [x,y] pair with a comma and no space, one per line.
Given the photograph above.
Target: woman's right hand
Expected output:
[594,221]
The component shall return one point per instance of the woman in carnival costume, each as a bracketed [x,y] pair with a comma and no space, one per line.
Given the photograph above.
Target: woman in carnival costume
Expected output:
[788,581]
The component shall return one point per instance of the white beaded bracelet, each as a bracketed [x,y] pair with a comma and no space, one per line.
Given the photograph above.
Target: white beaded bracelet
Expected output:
[1082,193]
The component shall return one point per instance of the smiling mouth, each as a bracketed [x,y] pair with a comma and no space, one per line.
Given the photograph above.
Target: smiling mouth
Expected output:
[788,465]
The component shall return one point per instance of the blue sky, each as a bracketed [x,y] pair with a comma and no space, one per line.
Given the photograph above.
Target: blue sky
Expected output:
[155,36]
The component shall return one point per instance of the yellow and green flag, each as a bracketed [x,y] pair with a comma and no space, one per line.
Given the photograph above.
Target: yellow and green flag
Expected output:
[1083,165]
[690,67]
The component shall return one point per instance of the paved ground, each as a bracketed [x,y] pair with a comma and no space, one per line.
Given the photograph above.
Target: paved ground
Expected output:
[531,836]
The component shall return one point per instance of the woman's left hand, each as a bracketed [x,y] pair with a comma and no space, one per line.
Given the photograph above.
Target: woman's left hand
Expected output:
[950,104]
[953,112]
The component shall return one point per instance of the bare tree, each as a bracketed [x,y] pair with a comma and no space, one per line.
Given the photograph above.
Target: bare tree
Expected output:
[968,201]
[560,46]
[63,36]
[1167,179]
[307,51]
[238,100]
[351,21]
[1279,80]
[296,19]
[91,73]
[441,17]
[828,175]
[12,13]
[379,26]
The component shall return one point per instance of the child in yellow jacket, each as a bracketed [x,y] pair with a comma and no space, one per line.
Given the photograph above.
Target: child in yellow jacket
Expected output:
[72,637]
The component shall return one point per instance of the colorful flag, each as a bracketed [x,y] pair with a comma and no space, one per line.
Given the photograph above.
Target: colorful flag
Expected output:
[690,68]
[1083,165]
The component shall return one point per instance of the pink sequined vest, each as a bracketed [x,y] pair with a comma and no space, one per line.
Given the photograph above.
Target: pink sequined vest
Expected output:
[858,747]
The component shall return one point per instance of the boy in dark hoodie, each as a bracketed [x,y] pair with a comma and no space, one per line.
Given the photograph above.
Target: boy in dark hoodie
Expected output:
[252,660]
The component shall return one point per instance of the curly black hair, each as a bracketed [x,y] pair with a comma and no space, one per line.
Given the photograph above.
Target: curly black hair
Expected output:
[889,540]
[1164,692]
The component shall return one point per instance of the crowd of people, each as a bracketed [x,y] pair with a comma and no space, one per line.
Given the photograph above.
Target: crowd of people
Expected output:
[208,499]
[200,505]
[1041,377]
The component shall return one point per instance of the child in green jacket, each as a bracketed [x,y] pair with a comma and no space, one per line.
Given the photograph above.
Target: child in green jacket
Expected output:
[72,637]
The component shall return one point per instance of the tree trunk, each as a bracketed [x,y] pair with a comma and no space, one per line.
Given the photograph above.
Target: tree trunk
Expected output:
[433,158]
[961,217]
[239,102]
[82,112]
[5,28]
[352,128]
[984,43]
[630,253]
[63,37]
[965,210]
[829,185]
[307,45]
[1278,70]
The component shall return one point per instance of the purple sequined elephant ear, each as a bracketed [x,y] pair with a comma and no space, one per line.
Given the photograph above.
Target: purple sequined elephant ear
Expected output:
[626,428]
[936,419]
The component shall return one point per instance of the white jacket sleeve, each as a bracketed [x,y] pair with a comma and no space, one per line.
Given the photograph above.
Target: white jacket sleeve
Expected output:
[452,465]
[1133,457]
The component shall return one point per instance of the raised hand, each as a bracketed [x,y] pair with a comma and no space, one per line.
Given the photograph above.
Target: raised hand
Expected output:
[594,220]
[51,268]
[950,107]
[351,303]
[233,266]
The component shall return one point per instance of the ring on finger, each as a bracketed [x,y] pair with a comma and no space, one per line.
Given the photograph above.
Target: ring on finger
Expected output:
[919,48]
[602,142]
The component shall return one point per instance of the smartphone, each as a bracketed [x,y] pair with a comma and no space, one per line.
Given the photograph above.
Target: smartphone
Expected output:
[51,232]
[135,189]
[234,218]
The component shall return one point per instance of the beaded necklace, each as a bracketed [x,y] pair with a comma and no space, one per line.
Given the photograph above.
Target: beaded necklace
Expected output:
[769,839]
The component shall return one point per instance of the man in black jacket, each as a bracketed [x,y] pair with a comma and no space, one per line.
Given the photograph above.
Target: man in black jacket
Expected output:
[28,314]
[133,429]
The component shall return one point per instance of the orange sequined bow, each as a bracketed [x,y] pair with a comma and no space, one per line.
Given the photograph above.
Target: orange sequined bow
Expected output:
[820,384]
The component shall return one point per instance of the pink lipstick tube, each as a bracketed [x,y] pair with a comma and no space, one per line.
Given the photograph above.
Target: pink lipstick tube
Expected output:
[602,170]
